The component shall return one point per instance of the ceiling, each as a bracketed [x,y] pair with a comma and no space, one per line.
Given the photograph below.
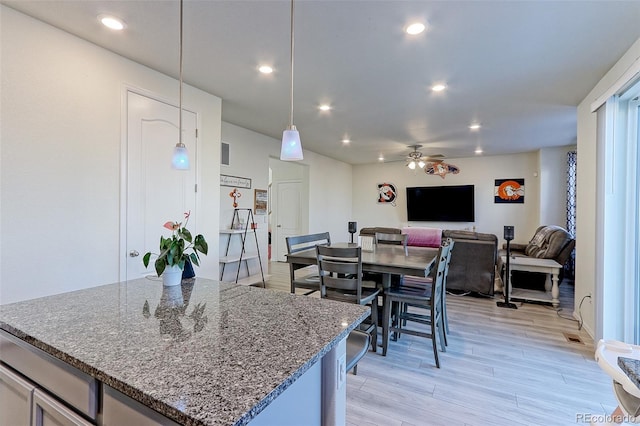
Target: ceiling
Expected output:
[519,68]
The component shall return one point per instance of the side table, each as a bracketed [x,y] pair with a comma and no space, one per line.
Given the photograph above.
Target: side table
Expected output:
[533,264]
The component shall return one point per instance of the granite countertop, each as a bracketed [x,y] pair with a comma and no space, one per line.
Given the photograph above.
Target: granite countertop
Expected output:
[631,368]
[203,353]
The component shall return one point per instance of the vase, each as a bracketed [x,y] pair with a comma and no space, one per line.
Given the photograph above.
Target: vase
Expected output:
[172,275]
[188,270]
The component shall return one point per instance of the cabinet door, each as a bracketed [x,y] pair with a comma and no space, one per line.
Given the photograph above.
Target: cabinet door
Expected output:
[47,411]
[16,395]
[119,409]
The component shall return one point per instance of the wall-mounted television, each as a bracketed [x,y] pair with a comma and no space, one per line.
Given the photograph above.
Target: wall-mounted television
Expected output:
[441,203]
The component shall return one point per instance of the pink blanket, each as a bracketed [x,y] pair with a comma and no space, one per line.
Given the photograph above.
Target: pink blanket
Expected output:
[423,237]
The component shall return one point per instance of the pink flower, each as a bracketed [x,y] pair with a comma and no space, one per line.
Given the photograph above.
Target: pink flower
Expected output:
[172,226]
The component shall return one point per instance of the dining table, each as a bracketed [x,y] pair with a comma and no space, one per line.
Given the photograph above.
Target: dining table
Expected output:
[385,259]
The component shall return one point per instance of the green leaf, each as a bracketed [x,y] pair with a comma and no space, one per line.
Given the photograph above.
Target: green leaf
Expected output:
[145,259]
[184,233]
[200,244]
[194,259]
[160,265]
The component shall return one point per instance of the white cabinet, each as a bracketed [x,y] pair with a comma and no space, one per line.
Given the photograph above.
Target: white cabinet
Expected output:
[16,396]
[29,379]
[47,411]
[119,409]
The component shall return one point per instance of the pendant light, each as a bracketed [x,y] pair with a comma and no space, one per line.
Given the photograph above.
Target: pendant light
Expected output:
[180,159]
[291,149]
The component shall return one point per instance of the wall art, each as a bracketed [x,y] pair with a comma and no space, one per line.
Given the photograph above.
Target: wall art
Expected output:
[440,168]
[235,181]
[509,191]
[235,194]
[260,199]
[387,193]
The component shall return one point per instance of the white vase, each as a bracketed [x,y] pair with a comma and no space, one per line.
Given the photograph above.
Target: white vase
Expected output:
[172,275]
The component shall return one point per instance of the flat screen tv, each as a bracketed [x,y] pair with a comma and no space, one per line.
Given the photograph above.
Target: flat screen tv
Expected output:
[441,203]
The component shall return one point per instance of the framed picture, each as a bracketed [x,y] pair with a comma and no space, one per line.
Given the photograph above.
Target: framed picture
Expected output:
[235,181]
[387,193]
[509,191]
[261,197]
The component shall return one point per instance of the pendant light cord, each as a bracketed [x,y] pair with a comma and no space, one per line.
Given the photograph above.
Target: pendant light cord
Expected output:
[180,119]
[292,37]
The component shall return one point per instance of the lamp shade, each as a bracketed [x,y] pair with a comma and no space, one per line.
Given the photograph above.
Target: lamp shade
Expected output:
[180,159]
[291,149]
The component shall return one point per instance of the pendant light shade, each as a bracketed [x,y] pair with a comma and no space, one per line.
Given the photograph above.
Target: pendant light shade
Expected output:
[180,159]
[291,149]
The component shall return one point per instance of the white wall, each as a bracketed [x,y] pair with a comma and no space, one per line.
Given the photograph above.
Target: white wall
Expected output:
[61,140]
[588,172]
[479,171]
[249,158]
[329,181]
[330,195]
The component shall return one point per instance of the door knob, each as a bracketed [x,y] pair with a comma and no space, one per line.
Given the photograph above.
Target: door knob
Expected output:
[134,253]
[279,226]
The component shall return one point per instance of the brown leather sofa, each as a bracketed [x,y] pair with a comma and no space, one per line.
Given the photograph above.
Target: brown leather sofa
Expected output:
[473,262]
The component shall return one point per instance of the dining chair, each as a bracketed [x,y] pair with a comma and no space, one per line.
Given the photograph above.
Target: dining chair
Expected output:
[425,302]
[392,239]
[340,270]
[410,281]
[295,244]
[382,238]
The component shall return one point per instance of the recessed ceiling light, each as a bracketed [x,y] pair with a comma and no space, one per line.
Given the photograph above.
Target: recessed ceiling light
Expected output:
[475,126]
[112,22]
[438,87]
[478,151]
[265,69]
[324,107]
[415,28]
[381,158]
[346,140]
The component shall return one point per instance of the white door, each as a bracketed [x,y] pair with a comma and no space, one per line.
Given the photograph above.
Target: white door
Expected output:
[288,220]
[156,193]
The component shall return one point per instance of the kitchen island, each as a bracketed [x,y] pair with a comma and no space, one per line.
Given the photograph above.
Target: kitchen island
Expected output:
[203,353]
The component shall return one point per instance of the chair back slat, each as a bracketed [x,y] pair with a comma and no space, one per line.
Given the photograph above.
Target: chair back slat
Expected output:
[304,242]
[392,239]
[299,243]
[395,239]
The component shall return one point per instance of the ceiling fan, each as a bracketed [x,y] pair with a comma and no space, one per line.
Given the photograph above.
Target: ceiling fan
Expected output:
[415,158]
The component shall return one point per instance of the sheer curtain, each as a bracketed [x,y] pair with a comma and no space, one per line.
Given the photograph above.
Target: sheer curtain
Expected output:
[572,176]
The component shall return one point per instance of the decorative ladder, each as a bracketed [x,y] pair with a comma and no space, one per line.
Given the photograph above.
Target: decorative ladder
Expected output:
[248,225]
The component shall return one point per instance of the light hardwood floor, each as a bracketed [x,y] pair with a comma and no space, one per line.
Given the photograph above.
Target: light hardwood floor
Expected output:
[502,367]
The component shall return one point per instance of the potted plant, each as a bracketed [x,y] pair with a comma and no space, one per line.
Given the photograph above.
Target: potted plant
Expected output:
[174,252]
